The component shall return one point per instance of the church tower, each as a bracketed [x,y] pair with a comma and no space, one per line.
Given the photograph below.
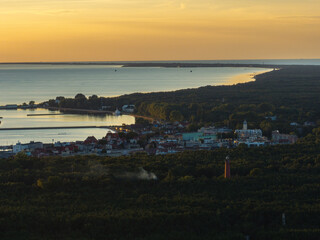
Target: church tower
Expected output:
[245,125]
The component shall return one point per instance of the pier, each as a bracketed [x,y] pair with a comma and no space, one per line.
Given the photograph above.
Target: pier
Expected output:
[62,127]
[46,114]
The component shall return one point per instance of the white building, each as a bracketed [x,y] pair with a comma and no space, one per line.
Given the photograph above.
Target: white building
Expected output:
[19,147]
[246,133]
[250,137]
[29,146]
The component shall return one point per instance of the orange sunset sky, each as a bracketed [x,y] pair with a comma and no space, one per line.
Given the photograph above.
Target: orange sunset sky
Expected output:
[115,30]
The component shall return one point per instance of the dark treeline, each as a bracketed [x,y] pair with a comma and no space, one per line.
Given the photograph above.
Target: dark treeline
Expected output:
[291,94]
[90,197]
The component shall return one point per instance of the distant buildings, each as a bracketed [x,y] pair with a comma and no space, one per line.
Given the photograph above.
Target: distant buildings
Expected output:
[272,118]
[250,137]
[309,124]
[158,138]
[27,147]
[278,138]
[246,133]
[128,108]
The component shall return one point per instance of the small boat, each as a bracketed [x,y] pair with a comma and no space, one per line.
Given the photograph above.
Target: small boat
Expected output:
[117,112]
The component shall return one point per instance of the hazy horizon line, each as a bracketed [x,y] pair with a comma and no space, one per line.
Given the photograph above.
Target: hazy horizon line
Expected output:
[132,61]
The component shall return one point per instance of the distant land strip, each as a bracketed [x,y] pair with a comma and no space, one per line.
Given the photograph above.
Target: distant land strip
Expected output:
[196,65]
[159,64]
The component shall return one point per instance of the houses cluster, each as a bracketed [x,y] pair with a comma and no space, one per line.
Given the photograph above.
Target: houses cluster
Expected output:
[254,137]
[111,145]
[158,138]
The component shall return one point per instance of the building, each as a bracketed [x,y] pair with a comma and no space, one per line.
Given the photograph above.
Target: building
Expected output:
[193,136]
[208,130]
[278,138]
[309,124]
[27,147]
[245,125]
[250,137]
[246,133]
[199,136]
[128,108]
[272,118]
[90,140]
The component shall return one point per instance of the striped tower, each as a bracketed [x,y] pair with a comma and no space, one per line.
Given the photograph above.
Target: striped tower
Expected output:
[227,168]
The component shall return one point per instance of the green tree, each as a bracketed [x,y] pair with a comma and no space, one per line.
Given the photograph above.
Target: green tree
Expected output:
[176,115]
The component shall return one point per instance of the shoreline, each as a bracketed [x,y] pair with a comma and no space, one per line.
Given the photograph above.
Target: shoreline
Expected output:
[245,77]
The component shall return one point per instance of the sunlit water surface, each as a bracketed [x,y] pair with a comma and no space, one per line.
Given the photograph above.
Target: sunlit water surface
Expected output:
[19,119]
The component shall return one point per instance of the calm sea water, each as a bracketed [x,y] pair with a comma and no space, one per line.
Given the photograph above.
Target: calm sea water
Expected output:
[19,119]
[23,83]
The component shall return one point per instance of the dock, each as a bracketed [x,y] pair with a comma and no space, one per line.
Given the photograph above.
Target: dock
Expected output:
[62,127]
[46,114]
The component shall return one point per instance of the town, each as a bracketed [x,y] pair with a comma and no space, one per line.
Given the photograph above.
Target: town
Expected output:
[158,138]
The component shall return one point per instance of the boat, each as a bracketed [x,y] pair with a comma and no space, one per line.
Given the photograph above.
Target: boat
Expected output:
[117,112]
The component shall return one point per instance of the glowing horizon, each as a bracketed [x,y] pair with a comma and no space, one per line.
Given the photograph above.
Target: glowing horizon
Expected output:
[142,30]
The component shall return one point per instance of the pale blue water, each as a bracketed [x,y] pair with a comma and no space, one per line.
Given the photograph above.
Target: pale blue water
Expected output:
[23,83]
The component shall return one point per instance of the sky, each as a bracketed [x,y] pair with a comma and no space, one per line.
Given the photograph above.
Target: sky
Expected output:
[132,30]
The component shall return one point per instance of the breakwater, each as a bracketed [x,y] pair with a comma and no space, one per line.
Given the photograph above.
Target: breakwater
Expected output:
[62,127]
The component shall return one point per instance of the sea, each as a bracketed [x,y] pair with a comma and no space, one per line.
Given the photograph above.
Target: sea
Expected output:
[21,83]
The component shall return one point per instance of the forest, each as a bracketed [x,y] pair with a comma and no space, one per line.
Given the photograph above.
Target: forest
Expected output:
[179,196]
[290,93]
[273,192]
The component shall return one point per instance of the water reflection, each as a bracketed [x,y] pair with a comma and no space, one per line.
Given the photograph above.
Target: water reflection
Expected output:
[19,119]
